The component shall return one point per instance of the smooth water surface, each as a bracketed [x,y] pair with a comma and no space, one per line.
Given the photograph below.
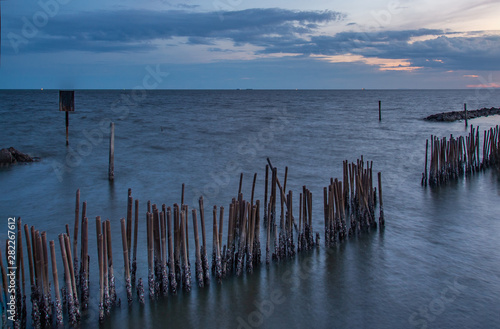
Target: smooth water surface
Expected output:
[436,264]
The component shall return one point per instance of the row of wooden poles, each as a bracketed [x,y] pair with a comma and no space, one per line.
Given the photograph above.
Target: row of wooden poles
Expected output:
[458,157]
[169,268]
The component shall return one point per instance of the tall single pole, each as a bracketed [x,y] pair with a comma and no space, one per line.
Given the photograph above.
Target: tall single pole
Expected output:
[379,110]
[465,110]
[112,153]
[67,128]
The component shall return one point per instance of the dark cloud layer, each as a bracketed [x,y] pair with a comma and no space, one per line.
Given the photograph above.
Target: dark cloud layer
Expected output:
[274,30]
[132,27]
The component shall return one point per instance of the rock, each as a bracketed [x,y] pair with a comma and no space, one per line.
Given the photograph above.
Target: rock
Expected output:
[11,155]
[460,115]
[6,157]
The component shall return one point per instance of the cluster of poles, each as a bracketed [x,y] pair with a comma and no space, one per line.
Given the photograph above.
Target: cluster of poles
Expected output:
[352,199]
[167,248]
[459,157]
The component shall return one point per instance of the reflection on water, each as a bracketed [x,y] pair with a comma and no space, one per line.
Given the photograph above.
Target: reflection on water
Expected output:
[390,279]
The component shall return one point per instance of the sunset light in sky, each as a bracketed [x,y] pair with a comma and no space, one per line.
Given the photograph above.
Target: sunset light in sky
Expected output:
[251,44]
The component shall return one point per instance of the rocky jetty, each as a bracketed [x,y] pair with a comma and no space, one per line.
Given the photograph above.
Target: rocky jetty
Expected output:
[460,115]
[11,156]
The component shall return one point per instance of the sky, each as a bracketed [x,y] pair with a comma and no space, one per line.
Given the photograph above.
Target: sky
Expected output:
[230,44]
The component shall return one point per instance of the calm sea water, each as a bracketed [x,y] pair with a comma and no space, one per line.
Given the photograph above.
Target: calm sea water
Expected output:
[436,264]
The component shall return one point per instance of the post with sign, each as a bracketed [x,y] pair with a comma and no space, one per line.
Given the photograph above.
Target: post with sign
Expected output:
[67,104]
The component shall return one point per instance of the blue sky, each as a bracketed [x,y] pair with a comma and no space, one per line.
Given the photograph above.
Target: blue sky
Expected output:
[250,44]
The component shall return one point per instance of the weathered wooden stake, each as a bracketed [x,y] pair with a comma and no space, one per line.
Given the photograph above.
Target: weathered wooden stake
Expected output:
[379,110]
[58,304]
[111,171]
[465,111]
[381,220]
[126,261]
[171,269]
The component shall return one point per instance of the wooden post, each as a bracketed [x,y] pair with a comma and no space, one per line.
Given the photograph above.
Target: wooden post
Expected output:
[465,110]
[101,278]
[69,289]
[130,204]
[171,270]
[136,225]
[67,128]
[111,172]
[126,261]
[381,220]
[30,256]
[425,172]
[75,232]
[379,110]
[58,304]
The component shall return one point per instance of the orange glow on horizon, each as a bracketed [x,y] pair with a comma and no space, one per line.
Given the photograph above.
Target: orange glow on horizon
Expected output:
[485,85]
[384,64]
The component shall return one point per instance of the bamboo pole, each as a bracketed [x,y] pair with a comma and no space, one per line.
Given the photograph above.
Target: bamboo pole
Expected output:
[105,267]
[130,204]
[381,220]
[253,187]
[221,226]
[30,255]
[171,273]
[182,194]
[84,279]
[216,263]
[75,232]
[186,211]
[128,285]
[257,235]
[230,247]
[69,289]
[40,291]
[186,277]
[136,226]
[45,271]
[241,182]
[164,277]
[58,304]
[72,274]
[20,258]
[265,193]
[198,267]
[151,282]
[111,275]
[206,270]
[34,243]
[101,277]
[111,170]
[4,273]
[465,111]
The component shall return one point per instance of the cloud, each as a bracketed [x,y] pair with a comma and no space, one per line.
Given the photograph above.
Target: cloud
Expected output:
[423,48]
[271,32]
[384,64]
[103,30]
[485,85]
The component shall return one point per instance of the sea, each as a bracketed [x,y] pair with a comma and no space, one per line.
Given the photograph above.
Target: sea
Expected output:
[436,264]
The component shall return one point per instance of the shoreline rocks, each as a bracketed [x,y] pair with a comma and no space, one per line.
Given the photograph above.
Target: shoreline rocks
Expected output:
[12,156]
[460,115]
